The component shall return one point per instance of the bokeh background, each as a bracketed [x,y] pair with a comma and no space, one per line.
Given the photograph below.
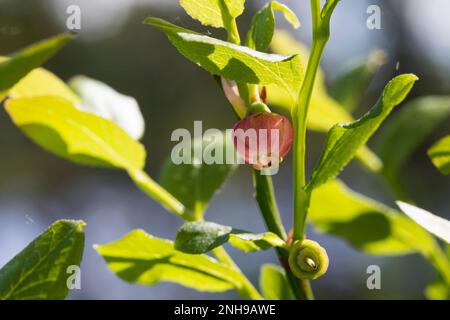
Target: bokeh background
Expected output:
[114,46]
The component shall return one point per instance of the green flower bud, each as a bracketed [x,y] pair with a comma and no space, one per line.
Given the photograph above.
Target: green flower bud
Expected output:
[308,260]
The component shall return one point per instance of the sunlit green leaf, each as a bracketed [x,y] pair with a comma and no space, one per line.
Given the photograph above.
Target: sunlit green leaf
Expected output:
[249,242]
[195,183]
[436,225]
[57,126]
[366,224]
[140,258]
[234,62]
[437,290]
[201,237]
[210,12]
[273,283]
[261,32]
[41,82]
[440,155]
[40,271]
[409,128]
[21,63]
[350,86]
[344,140]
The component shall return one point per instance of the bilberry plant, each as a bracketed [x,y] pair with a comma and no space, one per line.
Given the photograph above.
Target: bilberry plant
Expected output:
[276,97]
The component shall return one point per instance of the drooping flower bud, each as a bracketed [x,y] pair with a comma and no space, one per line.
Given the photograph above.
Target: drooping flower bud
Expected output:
[263,139]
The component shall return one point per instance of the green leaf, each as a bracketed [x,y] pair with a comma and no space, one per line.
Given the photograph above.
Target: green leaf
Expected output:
[324,111]
[200,237]
[438,226]
[22,62]
[273,283]
[40,270]
[261,32]
[350,86]
[234,62]
[140,258]
[211,12]
[250,242]
[440,155]
[41,82]
[344,140]
[408,129]
[57,126]
[195,183]
[366,224]
[437,290]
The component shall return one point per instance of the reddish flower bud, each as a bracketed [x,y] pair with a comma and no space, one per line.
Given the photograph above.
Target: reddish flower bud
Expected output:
[263,139]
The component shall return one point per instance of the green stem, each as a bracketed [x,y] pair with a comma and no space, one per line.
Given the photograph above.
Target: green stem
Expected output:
[306,288]
[230,24]
[265,197]
[300,114]
[161,195]
[321,34]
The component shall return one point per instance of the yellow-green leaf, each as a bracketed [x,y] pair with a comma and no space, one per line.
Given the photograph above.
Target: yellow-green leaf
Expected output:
[57,126]
[368,225]
[211,12]
[274,284]
[440,155]
[143,259]
[41,82]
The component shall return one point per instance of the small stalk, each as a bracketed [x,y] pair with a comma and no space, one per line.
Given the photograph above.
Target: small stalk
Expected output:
[302,196]
[265,197]
[161,195]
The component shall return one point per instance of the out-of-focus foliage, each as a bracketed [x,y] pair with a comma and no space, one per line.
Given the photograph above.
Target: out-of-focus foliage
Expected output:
[364,223]
[195,183]
[273,283]
[440,155]
[408,129]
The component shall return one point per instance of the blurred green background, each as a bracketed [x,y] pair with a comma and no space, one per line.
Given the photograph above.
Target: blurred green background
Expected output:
[114,46]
